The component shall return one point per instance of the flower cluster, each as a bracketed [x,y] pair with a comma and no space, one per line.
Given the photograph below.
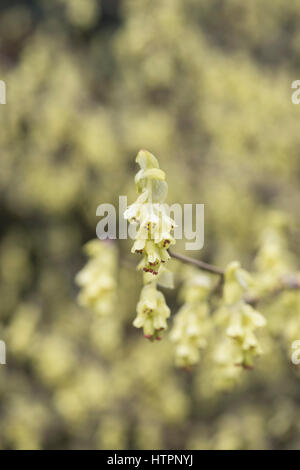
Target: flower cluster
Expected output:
[191,322]
[152,312]
[97,279]
[155,228]
[273,261]
[241,319]
[153,237]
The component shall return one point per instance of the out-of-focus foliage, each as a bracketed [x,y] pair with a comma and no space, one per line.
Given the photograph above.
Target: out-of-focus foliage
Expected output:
[206,86]
[97,279]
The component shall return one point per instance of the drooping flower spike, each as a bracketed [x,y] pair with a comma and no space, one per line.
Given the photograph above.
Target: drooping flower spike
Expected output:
[240,319]
[97,279]
[191,324]
[153,237]
[155,228]
[152,312]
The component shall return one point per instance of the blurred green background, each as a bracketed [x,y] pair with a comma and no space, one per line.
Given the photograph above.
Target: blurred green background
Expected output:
[206,86]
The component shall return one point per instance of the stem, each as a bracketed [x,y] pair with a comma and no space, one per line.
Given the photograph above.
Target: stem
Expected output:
[200,264]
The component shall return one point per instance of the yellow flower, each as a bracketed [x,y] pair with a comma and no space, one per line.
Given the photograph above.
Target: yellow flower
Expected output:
[155,227]
[241,320]
[191,323]
[152,312]
[97,279]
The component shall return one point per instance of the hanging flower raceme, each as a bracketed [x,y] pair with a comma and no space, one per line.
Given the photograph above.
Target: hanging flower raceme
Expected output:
[191,323]
[154,227]
[241,319]
[153,237]
[152,312]
[97,279]
[273,261]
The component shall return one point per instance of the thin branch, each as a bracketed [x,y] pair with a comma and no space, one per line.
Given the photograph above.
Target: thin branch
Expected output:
[287,283]
[200,264]
[291,282]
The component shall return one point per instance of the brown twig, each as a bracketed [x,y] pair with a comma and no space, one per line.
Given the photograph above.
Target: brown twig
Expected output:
[291,282]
